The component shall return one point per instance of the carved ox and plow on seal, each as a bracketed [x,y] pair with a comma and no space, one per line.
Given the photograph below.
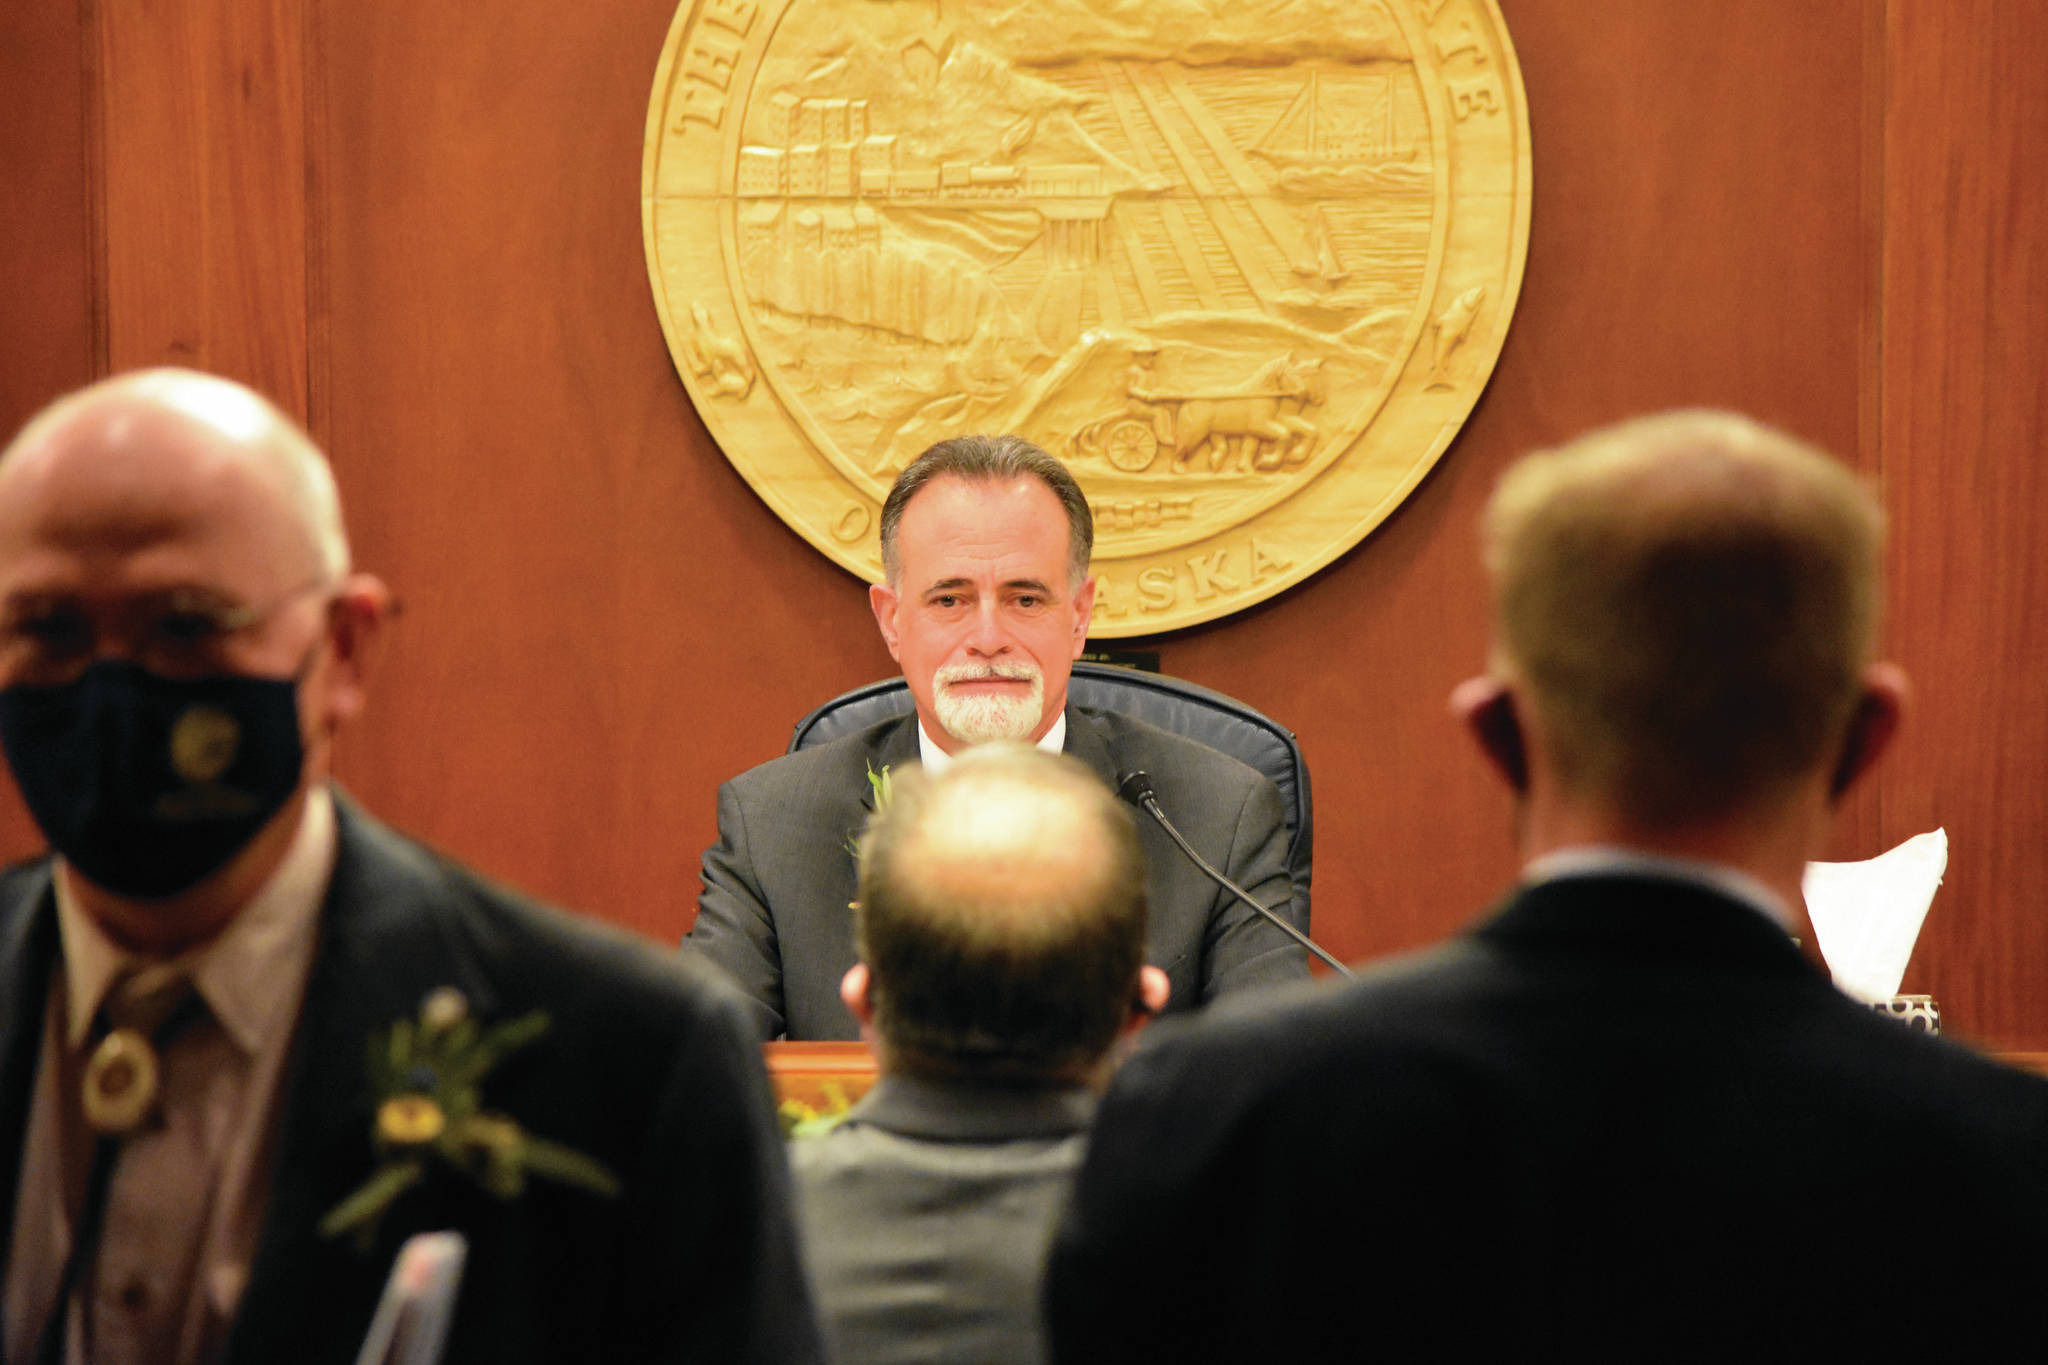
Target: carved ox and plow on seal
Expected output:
[1261,424]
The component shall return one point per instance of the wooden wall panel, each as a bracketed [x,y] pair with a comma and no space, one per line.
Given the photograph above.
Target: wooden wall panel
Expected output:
[621,623]
[49,343]
[1694,240]
[203,110]
[1965,420]
[46,237]
[602,621]
[422,231]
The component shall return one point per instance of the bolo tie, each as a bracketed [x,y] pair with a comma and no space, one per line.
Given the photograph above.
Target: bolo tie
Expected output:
[119,1092]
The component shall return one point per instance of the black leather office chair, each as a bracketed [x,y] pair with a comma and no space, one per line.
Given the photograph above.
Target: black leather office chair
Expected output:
[1183,707]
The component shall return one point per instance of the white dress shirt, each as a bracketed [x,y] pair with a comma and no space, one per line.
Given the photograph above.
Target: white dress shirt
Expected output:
[937,760]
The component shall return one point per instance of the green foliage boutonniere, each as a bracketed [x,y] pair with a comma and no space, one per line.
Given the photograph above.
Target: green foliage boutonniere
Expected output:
[803,1120]
[879,788]
[426,1076]
[880,792]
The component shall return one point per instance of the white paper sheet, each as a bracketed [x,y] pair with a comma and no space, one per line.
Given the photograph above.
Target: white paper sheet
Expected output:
[1867,915]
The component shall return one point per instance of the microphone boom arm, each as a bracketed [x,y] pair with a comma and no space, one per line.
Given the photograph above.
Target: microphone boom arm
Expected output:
[1137,788]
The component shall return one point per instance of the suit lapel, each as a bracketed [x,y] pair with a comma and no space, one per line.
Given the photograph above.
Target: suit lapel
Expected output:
[823,920]
[1088,740]
[28,949]
[894,749]
[387,938]
[1175,889]
[897,745]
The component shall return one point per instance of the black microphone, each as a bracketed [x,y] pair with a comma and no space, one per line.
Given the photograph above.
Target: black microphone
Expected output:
[1136,788]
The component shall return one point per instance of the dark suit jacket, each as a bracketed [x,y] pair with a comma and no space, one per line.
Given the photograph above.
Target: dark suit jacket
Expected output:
[650,1066]
[777,883]
[1622,1120]
[927,1213]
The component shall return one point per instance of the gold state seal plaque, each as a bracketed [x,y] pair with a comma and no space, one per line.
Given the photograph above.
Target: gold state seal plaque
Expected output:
[1245,267]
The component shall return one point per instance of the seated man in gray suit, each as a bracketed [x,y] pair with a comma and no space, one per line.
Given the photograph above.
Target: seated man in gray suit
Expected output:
[1001,927]
[250,1039]
[1624,1118]
[985,604]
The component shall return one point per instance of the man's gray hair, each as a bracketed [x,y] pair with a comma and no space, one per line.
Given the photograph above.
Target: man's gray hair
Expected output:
[990,459]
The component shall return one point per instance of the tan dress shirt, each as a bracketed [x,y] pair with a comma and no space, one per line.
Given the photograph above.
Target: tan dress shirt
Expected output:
[186,1200]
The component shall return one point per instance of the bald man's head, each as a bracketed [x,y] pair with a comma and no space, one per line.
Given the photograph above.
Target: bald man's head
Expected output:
[125,424]
[1001,917]
[180,637]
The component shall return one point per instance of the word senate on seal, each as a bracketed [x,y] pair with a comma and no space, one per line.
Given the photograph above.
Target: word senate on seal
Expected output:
[1245,267]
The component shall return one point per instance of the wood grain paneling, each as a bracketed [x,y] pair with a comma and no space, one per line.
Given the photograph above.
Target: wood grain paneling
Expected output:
[1965,418]
[203,110]
[421,230]
[602,621]
[1694,240]
[46,237]
[48,150]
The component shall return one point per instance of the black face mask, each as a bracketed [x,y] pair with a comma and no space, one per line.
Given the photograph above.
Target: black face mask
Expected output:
[149,785]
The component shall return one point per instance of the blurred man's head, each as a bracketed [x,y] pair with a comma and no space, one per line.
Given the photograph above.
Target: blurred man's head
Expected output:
[180,638]
[1685,612]
[1001,922]
[985,596]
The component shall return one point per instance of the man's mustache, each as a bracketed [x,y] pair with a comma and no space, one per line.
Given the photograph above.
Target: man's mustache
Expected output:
[962,673]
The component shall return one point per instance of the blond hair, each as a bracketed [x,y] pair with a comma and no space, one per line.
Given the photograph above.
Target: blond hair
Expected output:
[1689,601]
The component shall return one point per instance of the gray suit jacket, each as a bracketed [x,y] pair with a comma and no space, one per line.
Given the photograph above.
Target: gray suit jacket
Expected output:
[926,1216]
[649,1065]
[778,882]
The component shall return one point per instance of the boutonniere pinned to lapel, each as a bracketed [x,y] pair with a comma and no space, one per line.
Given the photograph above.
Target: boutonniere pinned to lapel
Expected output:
[426,1077]
[880,792]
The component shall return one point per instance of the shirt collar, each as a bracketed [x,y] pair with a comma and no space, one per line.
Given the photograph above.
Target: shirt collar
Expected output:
[937,760]
[962,1111]
[1607,860]
[249,975]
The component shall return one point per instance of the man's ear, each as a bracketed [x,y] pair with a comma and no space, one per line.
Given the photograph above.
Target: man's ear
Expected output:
[882,601]
[1485,706]
[1150,1002]
[855,992]
[1871,726]
[1084,614]
[355,623]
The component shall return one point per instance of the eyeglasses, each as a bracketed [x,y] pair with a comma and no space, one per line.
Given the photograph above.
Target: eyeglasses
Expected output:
[181,633]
